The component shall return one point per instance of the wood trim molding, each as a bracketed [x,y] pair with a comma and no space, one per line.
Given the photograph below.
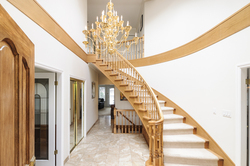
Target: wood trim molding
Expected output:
[91,58]
[235,23]
[200,131]
[66,160]
[35,12]
[92,126]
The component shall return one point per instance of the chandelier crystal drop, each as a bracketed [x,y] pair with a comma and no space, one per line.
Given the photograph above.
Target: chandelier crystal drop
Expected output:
[105,36]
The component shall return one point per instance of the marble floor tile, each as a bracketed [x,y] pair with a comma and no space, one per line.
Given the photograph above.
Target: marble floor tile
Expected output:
[103,148]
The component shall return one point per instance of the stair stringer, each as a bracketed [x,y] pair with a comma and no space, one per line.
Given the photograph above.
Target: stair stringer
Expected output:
[126,94]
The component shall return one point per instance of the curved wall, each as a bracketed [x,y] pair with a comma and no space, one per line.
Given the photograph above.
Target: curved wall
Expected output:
[204,83]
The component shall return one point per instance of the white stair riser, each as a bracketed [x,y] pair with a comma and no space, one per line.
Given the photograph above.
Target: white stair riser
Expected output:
[178,132]
[200,162]
[162,104]
[183,145]
[169,121]
[165,112]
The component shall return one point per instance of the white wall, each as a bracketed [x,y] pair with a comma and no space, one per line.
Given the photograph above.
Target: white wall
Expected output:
[169,23]
[204,83]
[49,53]
[121,104]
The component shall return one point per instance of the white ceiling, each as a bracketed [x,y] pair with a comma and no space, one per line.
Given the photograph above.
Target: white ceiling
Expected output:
[130,9]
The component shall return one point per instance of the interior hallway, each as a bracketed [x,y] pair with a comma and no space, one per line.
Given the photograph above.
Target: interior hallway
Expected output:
[103,148]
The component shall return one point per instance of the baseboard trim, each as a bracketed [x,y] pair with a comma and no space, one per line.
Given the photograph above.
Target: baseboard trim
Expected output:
[92,126]
[66,160]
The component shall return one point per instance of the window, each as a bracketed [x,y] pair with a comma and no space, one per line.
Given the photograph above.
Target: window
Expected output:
[102,92]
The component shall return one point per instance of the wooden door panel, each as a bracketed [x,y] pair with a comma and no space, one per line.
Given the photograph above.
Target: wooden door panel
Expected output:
[7,105]
[16,94]
[24,112]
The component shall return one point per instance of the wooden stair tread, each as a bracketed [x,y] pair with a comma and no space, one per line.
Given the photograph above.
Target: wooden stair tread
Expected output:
[146,117]
[142,110]
[103,64]
[133,96]
[129,90]
[114,74]
[108,70]
[123,84]
[137,102]
[119,79]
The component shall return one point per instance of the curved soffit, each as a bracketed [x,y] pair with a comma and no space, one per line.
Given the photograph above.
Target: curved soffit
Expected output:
[235,23]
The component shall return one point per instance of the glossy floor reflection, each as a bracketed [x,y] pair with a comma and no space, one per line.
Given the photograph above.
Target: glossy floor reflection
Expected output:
[103,148]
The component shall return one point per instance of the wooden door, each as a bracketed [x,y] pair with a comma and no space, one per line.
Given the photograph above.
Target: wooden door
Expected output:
[16,94]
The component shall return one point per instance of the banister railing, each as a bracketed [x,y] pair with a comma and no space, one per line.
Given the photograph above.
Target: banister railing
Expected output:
[127,121]
[152,117]
[135,51]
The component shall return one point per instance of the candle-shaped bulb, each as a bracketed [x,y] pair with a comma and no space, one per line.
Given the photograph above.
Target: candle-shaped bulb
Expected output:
[92,26]
[103,12]
[105,20]
[135,34]
[97,18]
[109,1]
[116,13]
[118,19]
[127,23]
[86,27]
[121,17]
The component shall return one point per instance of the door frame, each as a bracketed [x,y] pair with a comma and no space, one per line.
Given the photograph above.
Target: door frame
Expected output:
[84,101]
[51,113]
[59,115]
[240,115]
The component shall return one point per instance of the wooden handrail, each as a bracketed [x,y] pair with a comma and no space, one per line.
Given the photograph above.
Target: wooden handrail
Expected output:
[130,40]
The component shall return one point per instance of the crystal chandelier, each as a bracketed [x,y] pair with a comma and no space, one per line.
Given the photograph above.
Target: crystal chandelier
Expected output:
[104,38]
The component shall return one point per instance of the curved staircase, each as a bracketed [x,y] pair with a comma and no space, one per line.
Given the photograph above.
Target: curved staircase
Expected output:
[181,145]
[172,142]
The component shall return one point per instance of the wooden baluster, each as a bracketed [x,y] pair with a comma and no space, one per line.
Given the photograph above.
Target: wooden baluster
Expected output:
[133,115]
[150,145]
[118,117]
[130,117]
[101,53]
[122,123]
[140,124]
[125,113]
[132,52]
[154,145]
[136,124]
[116,61]
[114,120]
